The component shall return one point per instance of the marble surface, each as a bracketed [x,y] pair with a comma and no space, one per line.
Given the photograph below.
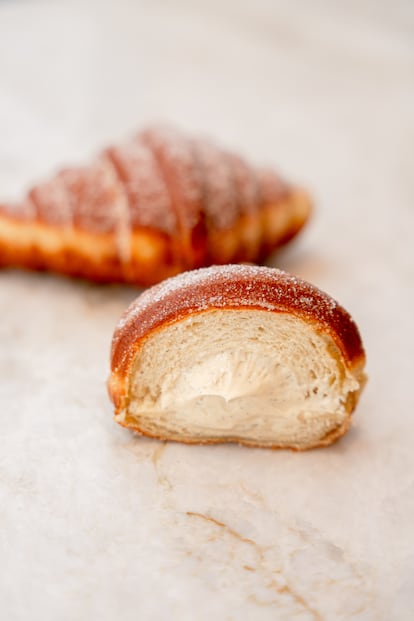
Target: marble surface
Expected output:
[96,523]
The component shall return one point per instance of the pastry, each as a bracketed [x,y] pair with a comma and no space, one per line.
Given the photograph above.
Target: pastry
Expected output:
[237,353]
[154,206]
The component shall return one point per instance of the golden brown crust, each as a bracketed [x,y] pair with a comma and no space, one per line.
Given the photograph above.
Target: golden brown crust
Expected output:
[81,254]
[231,287]
[156,205]
[330,438]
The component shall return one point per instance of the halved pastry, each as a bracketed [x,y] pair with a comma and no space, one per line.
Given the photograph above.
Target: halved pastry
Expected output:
[237,353]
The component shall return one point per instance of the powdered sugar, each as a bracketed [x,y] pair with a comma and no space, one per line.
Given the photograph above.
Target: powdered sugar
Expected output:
[25,210]
[52,201]
[219,201]
[149,199]
[123,227]
[272,187]
[93,195]
[174,153]
[245,184]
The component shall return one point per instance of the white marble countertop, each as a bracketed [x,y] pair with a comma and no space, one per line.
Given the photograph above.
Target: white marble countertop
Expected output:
[96,523]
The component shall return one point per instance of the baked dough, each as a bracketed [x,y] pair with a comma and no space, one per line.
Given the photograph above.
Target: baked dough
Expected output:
[149,208]
[237,353]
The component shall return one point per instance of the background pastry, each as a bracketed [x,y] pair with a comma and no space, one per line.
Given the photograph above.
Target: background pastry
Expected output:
[149,208]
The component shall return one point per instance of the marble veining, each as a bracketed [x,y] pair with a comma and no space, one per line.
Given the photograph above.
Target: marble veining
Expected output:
[279,567]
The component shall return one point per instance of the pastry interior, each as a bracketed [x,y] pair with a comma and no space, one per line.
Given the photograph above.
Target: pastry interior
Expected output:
[242,375]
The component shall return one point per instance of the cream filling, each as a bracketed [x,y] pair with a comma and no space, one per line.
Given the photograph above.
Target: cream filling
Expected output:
[249,375]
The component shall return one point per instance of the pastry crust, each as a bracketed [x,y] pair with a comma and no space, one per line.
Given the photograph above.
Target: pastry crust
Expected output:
[246,292]
[152,207]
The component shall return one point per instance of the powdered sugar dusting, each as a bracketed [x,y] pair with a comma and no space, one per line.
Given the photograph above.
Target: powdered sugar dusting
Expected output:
[149,200]
[220,205]
[272,187]
[93,197]
[121,209]
[245,184]
[53,203]
[25,210]
[175,155]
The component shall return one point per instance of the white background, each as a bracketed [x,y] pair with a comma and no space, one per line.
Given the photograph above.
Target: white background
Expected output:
[96,523]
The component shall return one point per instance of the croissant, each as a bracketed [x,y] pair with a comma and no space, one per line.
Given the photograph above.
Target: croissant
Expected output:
[237,353]
[150,208]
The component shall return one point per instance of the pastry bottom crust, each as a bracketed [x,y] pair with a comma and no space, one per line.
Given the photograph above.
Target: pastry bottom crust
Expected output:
[330,438]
